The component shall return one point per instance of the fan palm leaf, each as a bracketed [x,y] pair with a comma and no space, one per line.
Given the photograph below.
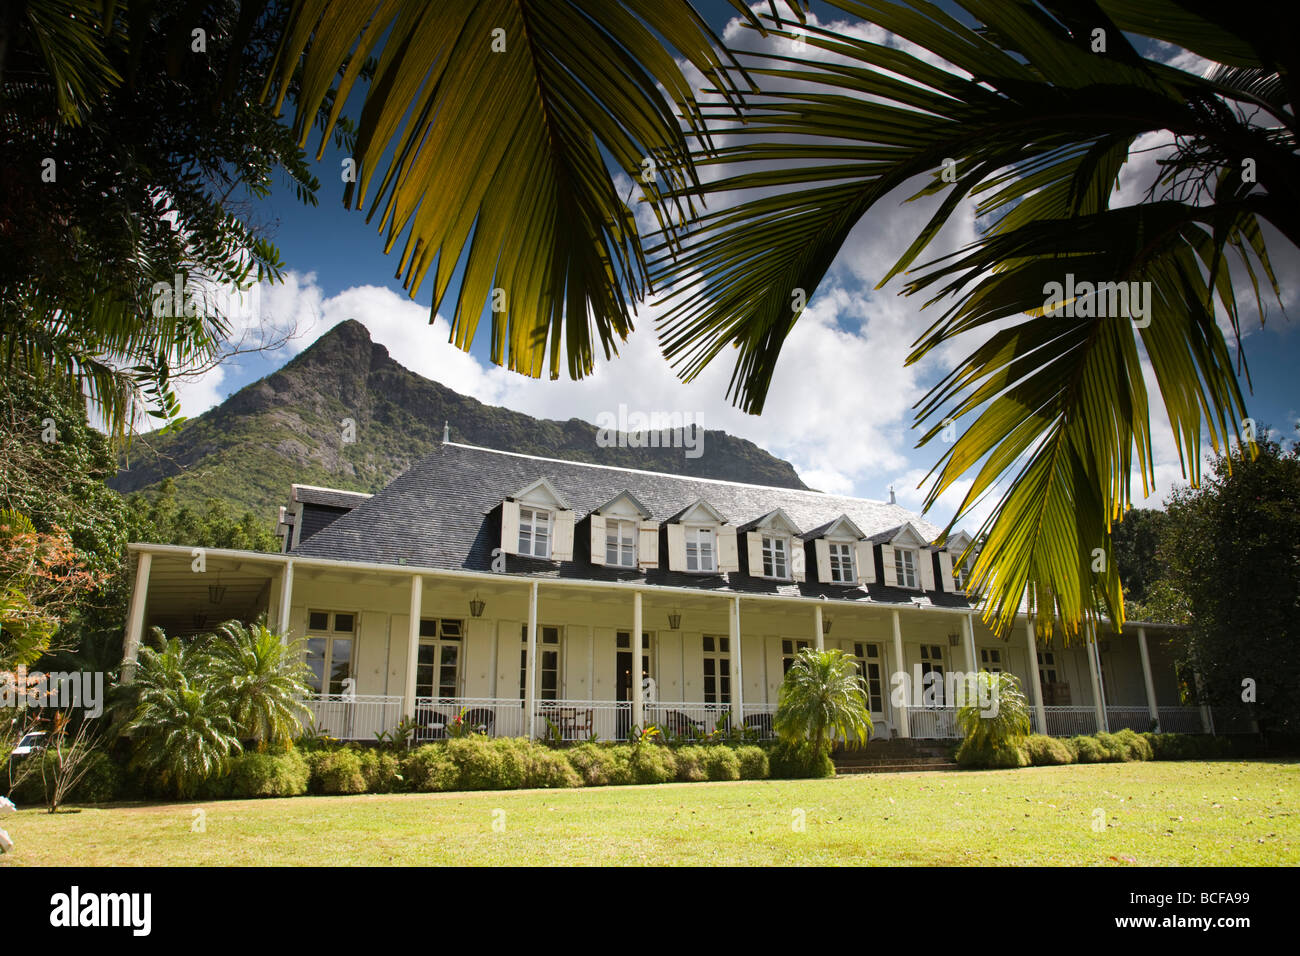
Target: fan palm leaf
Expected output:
[263,680]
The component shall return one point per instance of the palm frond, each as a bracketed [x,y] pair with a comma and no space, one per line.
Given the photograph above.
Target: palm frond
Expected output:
[485,138]
[1032,124]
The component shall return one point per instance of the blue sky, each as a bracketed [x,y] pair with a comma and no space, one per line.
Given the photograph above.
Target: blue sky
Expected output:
[840,406]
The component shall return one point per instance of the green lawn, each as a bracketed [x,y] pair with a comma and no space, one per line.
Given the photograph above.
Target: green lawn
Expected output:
[1155,814]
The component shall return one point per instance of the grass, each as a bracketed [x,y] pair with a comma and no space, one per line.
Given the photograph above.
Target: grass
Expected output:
[1162,814]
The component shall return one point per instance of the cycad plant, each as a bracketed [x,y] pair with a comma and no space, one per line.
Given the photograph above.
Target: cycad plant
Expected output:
[993,719]
[185,733]
[262,680]
[823,699]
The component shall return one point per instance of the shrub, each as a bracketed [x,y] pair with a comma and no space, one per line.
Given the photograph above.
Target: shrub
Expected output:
[721,763]
[691,764]
[1087,749]
[798,761]
[989,754]
[651,763]
[269,775]
[1134,745]
[381,771]
[430,769]
[549,768]
[1044,751]
[753,763]
[336,771]
[599,766]
[487,764]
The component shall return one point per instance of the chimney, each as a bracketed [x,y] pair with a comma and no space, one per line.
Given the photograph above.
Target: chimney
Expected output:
[892,499]
[446,433]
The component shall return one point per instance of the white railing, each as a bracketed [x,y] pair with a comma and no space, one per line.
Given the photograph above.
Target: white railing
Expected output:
[758,717]
[437,718]
[354,716]
[687,719]
[579,720]
[932,723]
[1066,721]
[1131,718]
[1181,720]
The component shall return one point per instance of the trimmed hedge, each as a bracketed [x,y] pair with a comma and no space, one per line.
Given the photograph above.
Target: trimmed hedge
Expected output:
[800,761]
[990,755]
[1044,751]
[336,771]
[268,775]
[753,763]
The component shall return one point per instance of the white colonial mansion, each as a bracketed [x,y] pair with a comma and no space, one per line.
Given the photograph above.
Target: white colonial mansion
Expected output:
[515,592]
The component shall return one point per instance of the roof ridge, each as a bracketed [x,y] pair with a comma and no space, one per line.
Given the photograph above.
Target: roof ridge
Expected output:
[665,474]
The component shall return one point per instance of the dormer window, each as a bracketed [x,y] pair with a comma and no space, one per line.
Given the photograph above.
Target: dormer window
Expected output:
[905,568]
[769,548]
[701,551]
[841,563]
[776,557]
[962,573]
[534,532]
[537,522]
[620,542]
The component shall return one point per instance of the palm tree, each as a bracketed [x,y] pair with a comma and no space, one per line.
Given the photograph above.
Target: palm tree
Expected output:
[263,682]
[823,699]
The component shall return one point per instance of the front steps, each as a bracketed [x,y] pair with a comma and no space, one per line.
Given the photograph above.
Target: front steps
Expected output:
[896,755]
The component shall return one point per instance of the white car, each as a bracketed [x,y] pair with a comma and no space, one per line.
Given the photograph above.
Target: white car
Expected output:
[30,744]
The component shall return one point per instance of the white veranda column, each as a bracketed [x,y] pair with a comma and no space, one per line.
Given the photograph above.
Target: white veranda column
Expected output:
[638,652]
[968,639]
[286,597]
[1094,671]
[900,663]
[1035,679]
[819,639]
[135,618]
[412,645]
[1152,708]
[530,672]
[738,678]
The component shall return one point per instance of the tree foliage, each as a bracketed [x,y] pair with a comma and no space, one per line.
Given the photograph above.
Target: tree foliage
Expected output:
[1231,554]
[131,148]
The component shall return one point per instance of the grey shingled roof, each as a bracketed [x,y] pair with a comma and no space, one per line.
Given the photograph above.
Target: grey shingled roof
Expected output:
[329,497]
[445,513]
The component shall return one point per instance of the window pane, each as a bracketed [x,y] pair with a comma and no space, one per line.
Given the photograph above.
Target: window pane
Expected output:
[428,628]
[316,661]
[344,622]
[340,663]
[708,643]
[318,621]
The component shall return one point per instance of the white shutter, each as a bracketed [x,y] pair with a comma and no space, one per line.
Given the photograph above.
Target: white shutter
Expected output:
[676,547]
[597,539]
[947,583]
[798,560]
[927,569]
[866,563]
[754,550]
[510,527]
[823,549]
[647,551]
[562,544]
[887,559]
[728,556]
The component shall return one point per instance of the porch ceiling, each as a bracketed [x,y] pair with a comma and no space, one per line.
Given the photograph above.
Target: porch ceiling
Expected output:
[180,601]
